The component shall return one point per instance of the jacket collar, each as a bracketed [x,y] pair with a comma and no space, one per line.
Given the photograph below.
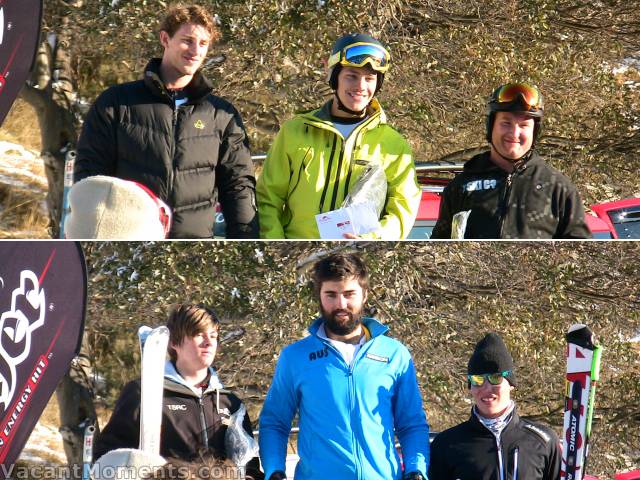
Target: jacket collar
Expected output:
[477,424]
[375,113]
[196,91]
[374,326]
[482,163]
[172,375]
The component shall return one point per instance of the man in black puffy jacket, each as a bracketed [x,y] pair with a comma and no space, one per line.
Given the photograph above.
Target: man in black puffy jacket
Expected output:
[509,191]
[495,443]
[171,134]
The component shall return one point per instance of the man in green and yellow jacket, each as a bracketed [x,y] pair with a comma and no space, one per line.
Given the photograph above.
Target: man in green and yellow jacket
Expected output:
[318,156]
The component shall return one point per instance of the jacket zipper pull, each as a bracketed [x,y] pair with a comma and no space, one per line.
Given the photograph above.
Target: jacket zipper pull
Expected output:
[515,463]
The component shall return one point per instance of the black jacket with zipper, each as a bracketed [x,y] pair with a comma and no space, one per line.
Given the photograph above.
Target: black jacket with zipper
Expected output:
[190,156]
[469,451]
[534,202]
[191,425]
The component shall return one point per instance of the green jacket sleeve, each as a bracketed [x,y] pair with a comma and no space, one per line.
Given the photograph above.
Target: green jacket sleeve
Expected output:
[272,187]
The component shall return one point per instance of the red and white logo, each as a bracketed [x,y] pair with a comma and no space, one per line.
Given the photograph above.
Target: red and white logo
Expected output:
[17,325]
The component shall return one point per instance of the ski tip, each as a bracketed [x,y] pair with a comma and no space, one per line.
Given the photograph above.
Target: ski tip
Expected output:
[581,335]
[162,330]
[144,330]
[572,328]
[143,334]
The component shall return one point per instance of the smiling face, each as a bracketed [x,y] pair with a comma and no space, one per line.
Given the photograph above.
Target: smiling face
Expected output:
[197,352]
[356,88]
[512,135]
[492,400]
[341,303]
[184,52]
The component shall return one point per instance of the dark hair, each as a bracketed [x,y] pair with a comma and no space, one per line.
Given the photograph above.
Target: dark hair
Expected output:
[186,320]
[340,266]
[179,14]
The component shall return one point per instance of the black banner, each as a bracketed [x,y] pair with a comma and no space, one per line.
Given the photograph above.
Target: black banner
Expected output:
[43,292]
[19,37]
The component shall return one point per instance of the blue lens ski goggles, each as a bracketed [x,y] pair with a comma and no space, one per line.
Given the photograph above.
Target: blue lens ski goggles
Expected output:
[359,54]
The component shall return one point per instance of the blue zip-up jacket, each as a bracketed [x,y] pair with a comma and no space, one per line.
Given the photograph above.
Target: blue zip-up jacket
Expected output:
[348,416]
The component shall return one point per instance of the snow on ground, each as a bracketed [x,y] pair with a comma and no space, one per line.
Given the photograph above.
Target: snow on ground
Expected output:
[626,64]
[22,172]
[21,168]
[44,446]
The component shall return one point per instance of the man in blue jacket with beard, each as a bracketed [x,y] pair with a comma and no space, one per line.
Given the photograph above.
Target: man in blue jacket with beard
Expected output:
[353,388]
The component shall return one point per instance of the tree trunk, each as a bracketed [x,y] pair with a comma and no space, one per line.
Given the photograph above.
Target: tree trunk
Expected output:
[51,93]
[75,402]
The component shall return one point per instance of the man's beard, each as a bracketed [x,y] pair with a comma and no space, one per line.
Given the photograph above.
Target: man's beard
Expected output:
[341,327]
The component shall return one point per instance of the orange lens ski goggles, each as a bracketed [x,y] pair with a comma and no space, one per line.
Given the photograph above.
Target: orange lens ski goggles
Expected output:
[511,91]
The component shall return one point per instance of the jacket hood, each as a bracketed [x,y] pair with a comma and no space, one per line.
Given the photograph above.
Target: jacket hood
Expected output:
[172,375]
[482,163]
[374,326]
[196,91]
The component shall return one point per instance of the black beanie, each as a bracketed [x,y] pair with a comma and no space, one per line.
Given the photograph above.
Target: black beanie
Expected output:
[491,356]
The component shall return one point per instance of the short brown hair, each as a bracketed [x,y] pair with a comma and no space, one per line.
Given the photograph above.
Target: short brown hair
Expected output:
[340,266]
[186,320]
[179,14]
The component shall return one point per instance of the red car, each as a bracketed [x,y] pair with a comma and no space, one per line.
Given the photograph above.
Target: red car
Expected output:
[619,219]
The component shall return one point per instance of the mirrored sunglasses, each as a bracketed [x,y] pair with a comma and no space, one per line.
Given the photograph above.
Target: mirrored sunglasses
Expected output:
[492,378]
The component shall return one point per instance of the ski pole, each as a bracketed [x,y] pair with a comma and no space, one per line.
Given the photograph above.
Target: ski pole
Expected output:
[87,450]
[595,377]
[69,161]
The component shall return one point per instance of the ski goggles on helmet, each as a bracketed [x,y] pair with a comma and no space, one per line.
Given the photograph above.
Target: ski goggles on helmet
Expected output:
[512,92]
[359,54]
[492,378]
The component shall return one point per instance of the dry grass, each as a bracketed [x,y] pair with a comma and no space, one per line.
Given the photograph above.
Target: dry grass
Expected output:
[21,126]
[45,442]
[22,213]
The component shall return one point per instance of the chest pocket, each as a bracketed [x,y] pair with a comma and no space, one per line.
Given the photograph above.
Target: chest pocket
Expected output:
[482,195]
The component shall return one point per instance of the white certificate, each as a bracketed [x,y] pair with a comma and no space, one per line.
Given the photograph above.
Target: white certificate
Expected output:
[355,219]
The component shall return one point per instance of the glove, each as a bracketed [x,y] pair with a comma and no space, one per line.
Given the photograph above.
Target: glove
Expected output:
[413,476]
[278,476]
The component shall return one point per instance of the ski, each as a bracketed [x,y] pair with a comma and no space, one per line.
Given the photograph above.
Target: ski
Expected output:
[153,346]
[583,371]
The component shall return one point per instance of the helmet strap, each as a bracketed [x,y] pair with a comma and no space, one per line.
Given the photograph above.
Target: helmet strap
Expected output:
[344,108]
[518,163]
